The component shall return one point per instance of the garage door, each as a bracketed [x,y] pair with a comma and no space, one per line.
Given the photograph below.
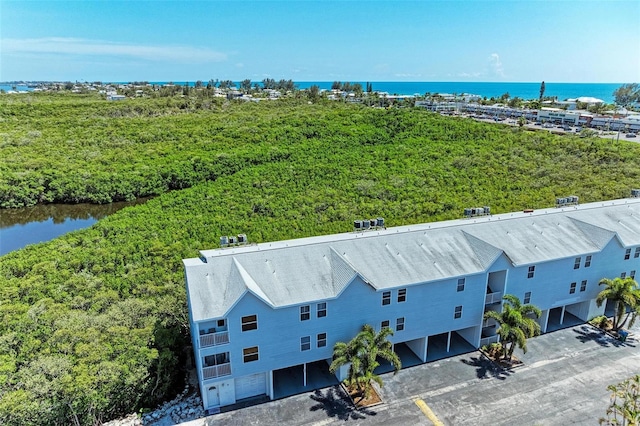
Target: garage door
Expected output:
[247,386]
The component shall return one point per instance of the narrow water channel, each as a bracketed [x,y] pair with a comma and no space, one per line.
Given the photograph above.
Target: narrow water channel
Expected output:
[30,225]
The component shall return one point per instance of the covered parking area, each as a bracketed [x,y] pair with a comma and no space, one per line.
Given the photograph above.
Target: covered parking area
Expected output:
[302,378]
[564,316]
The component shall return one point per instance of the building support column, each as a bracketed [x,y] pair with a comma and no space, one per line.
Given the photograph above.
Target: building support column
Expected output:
[448,341]
[271,395]
[305,374]
[562,316]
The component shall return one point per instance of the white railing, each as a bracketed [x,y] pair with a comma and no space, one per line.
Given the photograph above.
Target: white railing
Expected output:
[214,339]
[489,340]
[216,371]
[488,322]
[492,298]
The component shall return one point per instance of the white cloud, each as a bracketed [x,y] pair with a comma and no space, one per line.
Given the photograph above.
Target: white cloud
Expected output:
[469,74]
[407,75]
[496,65]
[85,47]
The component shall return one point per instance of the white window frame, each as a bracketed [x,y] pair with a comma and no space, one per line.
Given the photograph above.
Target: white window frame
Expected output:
[321,309]
[246,324]
[385,324]
[305,313]
[400,324]
[583,285]
[305,343]
[386,298]
[457,312]
[587,261]
[527,298]
[246,354]
[461,283]
[576,263]
[627,254]
[572,288]
[402,295]
[321,340]
[531,271]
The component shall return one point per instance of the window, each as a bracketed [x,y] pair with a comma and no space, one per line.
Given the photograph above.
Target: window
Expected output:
[636,254]
[457,313]
[322,340]
[583,285]
[623,275]
[250,322]
[402,295]
[572,289]
[384,324]
[587,262]
[460,284]
[633,275]
[400,324]
[322,309]
[250,354]
[386,298]
[305,343]
[305,312]
[531,271]
[576,264]
[627,254]
[221,323]
[527,298]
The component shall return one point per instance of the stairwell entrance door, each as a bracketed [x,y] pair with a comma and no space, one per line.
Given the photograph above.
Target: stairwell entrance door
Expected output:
[213,397]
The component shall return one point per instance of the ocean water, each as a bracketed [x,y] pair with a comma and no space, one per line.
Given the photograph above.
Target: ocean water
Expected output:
[562,91]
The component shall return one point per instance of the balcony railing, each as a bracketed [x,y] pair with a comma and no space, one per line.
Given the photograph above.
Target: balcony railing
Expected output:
[214,339]
[216,371]
[492,298]
[489,340]
[488,322]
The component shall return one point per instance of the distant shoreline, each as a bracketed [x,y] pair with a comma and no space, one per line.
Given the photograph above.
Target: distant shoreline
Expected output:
[524,90]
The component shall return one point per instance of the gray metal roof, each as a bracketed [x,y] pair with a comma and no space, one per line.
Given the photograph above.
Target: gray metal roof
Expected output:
[300,271]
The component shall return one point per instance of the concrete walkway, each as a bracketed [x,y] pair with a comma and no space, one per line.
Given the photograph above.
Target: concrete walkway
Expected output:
[563,381]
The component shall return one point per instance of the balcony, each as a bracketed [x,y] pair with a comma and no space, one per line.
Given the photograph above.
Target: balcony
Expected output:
[216,371]
[214,339]
[489,340]
[489,322]
[492,298]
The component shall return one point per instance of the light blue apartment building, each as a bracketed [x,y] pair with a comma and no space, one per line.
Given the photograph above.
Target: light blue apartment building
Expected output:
[258,310]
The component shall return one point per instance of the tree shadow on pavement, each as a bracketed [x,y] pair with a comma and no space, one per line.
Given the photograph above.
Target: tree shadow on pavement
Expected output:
[336,404]
[588,333]
[486,369]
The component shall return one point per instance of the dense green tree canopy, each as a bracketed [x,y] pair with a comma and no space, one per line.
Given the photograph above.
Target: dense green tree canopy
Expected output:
[94,324]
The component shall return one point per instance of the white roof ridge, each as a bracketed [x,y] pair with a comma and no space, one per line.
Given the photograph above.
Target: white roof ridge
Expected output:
[250,283]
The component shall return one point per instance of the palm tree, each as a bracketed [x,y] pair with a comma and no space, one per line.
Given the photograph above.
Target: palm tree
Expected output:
[348,353]
[626,295]
[362,352]
[516,324]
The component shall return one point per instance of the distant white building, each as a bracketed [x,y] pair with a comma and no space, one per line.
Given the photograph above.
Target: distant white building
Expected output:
[557,115]
[258,311]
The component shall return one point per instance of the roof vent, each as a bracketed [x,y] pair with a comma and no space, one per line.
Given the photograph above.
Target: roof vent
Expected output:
[477,211]
[233,240]
[363,225]
[571,200]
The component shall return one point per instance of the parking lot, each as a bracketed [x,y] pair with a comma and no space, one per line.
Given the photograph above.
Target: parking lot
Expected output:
[563,381]
[559,129]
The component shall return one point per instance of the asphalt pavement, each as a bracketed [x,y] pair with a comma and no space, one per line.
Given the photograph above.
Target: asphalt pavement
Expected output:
[563,381]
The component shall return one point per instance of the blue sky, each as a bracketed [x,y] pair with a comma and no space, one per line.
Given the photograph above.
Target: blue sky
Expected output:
[512,41]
